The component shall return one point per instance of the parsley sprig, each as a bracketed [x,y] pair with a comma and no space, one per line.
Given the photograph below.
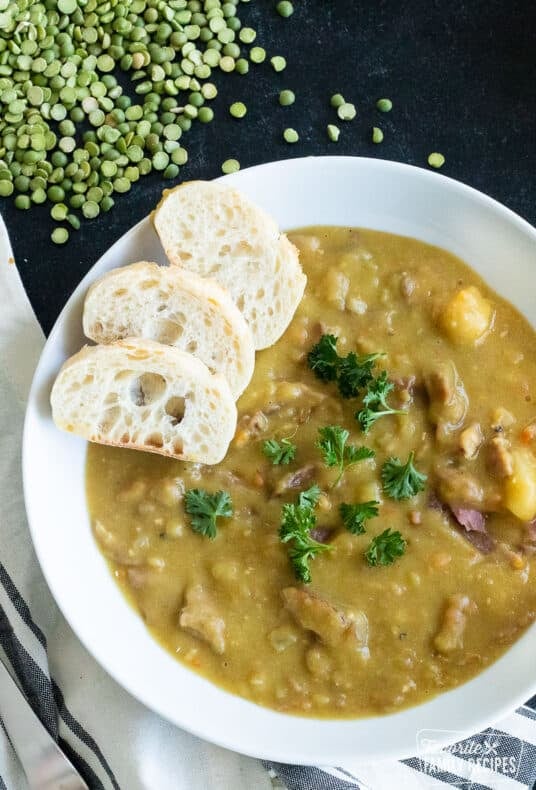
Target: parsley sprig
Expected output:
[205,508]
[355,372]
[279,453]
[332,443]
[352,372]
[375,402]
[354,516]
[402,481]
[385,548]
[323,358]
[297,521]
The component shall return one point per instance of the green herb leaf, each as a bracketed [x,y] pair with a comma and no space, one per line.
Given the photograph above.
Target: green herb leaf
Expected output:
[205,508]
[335,450]
[309,497]
[402,481]
[354,373]
[297,521]
[375,404]
[354,516]
[279,453]
[323,358]
[385,548]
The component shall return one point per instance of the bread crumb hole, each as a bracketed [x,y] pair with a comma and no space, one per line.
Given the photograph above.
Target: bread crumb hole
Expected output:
[88,379]
[98,327]
[147,388]
[146,284]
[176,407]
[120,292]
[178,447]
[167,332]
[240,302]
[154,440]
[109,419]
[192,346]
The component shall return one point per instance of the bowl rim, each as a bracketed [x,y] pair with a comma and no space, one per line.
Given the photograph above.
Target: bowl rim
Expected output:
[299,754]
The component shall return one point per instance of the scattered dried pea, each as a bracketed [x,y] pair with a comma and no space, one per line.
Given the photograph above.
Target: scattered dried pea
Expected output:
[333,132]
[230,166]
[384,105]
[285,8]
[238,109]
[337,100]
[257,55]
[278,63]
[346,111]
[59,235]
[286,98]
[291,135]
[436,160]
[377,135]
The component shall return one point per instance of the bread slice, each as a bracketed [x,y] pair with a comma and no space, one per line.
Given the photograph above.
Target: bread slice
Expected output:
[146,396]
[216,232]
[173,306]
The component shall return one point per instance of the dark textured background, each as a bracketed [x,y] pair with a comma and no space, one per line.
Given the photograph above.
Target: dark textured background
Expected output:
[461,75]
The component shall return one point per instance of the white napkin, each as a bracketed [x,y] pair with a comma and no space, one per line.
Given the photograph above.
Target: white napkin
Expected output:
[115,741]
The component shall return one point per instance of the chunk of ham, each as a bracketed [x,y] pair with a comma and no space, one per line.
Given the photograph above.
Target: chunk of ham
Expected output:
[201,619]
[450,635]
[293,480]
[458,487]
[474,524]
[333,626]
[471,439]
[500,461]
[471,520]
[448,399]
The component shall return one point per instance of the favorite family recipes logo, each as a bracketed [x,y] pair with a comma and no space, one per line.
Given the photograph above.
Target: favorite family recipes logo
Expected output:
[469,761]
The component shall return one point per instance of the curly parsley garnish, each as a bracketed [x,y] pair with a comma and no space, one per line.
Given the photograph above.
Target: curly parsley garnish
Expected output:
[402,481]
[323,358]
[336,452]
[385,548]
[352,372]
[297,521]
[279,453]
[205,508]
[354,516]
[355,372]
[374,403]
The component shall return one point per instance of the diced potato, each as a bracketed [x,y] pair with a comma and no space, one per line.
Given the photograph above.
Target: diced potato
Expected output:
[520,488]
[467,317]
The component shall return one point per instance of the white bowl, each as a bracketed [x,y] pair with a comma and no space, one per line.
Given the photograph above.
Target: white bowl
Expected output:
[330,191]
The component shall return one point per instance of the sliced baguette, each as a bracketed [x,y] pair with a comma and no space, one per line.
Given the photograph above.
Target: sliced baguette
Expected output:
[216,232]
[146,396]
[176,307]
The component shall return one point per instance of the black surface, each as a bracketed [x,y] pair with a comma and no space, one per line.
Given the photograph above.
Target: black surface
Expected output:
[462,77]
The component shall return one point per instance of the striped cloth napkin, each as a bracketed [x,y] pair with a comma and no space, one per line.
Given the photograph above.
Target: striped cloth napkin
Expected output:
[114,741]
